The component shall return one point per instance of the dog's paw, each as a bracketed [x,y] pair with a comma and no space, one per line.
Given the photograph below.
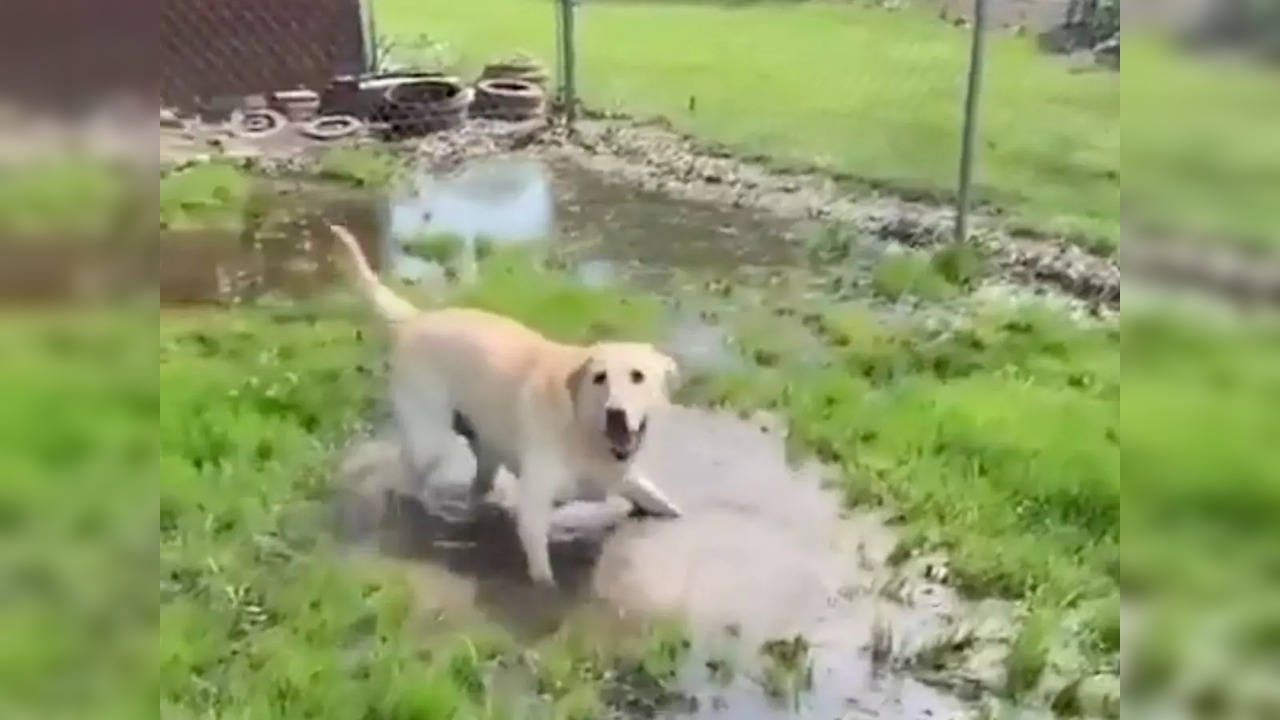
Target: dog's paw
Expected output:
[542,578]
[544,584]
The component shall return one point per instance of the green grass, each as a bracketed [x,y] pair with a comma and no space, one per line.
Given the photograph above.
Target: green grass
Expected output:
[69,196]
[1201,155]
[207,195]
[910,274]
[357,166]
[873,94]
[997,442]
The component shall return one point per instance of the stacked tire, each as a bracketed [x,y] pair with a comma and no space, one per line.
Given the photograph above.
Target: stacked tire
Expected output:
[508,99]
[424,105]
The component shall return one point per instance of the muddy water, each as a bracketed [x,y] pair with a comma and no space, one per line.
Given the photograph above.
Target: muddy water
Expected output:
[611,231]
[281,248]
[762,553]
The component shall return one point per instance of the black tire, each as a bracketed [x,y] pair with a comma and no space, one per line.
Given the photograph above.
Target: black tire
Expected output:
[256,124]
[508,99]
[331,127]
[423,105]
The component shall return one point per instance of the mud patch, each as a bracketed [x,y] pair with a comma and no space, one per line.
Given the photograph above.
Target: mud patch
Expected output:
[283,249]
[654,157]
[763,556]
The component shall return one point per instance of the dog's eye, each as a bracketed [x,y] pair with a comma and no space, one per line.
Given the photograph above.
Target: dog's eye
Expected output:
[637,377]
[598,378]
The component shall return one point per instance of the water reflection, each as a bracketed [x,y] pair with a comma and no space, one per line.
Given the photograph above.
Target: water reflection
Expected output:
[505,201]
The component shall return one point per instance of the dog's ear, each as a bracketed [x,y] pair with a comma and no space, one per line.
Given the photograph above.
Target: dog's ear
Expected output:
[573,382]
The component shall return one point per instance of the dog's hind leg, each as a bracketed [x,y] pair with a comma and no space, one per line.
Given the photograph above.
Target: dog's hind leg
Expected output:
[537,485]
[646,496]
[424,415]
[486,470]
[486,459]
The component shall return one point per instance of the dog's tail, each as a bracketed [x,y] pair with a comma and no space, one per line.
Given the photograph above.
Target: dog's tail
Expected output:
[390,306]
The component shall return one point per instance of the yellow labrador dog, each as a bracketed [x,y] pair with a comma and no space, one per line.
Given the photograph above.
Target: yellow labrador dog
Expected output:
[566,420]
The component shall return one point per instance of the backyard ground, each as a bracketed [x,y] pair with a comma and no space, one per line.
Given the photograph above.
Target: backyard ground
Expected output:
[965,416]
[985,428]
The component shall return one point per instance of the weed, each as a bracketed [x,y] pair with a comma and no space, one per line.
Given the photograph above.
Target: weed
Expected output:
[443,248]
[207,195]
[358,166]
[905,274]
[788,670]
[960,264]
[64,196]
[721,669]
[1028,655]
[831,244]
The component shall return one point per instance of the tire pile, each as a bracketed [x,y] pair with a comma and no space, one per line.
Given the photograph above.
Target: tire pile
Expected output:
[398,104]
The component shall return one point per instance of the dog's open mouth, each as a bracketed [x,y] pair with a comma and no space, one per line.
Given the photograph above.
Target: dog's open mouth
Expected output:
[624,442]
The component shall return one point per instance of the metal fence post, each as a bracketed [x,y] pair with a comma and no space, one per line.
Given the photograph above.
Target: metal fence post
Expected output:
[568,61]
[974,88]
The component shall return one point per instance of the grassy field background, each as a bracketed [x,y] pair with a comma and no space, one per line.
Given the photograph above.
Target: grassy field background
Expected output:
[862,91]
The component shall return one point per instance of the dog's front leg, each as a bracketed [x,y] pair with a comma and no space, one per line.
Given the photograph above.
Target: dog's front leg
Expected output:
[645,495]
[537,486]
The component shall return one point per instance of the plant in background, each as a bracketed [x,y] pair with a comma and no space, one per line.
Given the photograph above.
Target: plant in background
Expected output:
[418,53]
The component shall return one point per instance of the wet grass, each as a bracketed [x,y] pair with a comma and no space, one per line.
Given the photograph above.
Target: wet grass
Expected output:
[996,441]
[1199,162]
[861,91]
[259,612]
[363,167]
[65,196]
[206,195]
[443,248]
[911,274]
[788,670]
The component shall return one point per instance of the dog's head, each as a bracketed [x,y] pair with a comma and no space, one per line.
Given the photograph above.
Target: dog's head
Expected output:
[616,389]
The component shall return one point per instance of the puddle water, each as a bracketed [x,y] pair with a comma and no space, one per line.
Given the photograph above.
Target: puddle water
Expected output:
[282,247]
[762,553]
[612,232]
[619,223]
[506,200]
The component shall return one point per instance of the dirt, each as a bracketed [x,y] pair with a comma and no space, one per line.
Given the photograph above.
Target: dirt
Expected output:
[763,558]
[654,157]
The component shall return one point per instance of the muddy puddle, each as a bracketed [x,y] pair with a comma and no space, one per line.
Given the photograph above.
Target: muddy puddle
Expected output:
[610,232]
[793,608]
